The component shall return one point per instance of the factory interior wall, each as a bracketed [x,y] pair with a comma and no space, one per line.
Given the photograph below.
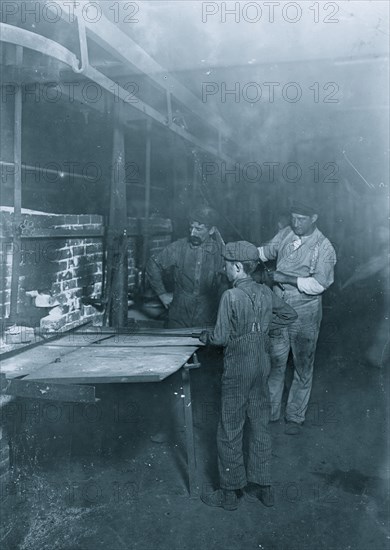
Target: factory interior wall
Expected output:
[89,476]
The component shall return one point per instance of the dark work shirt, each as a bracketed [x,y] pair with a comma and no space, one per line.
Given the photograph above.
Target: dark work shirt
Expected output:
[198,280]
[195,267]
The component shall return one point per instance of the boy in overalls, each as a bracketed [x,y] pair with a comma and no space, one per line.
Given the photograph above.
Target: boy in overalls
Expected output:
[246,313]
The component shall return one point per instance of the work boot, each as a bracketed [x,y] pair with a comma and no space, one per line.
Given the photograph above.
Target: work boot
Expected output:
[159,437]
[292,428]
[264,493]
[222,498]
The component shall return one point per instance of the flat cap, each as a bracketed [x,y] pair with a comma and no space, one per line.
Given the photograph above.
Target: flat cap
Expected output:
[241,251]
[203,214]
[303,208]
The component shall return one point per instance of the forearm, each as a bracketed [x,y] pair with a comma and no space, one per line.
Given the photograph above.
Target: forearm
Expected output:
[220,335]
[154,274]
[309,285]
[283,278]
[282,313]
[218,338]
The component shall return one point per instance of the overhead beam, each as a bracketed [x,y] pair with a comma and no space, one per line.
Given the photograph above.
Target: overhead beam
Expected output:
[17,154]
[119,44]
[33,41]
[48,47]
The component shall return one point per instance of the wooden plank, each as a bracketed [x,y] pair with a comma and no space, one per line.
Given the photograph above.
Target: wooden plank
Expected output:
[117,280]
[128,341]
[128,354]
[134,330]
[29,360]
[50,391]
[116,365]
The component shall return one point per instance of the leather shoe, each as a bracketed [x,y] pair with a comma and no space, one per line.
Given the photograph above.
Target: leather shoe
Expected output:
[221,498]
[264,493]
[159,437]
[292,428]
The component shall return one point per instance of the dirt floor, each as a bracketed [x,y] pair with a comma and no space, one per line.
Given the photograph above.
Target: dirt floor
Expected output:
[90,478]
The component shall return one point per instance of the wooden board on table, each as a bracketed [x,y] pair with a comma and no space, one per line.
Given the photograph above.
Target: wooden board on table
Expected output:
[129,340]
[116,364]
[133,330]
[28,360]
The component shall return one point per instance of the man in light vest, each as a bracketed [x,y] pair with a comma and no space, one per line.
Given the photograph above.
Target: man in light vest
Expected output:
[305,261]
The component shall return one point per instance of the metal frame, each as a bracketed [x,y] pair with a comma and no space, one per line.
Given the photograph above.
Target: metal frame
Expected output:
[34,41]
[120,45]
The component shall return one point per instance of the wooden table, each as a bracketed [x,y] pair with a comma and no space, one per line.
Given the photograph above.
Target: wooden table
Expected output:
[54,369]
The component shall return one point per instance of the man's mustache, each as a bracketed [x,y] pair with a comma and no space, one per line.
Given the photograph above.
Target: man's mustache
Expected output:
[195,240]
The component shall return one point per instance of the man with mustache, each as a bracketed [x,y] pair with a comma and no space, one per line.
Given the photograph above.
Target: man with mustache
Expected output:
[197,265]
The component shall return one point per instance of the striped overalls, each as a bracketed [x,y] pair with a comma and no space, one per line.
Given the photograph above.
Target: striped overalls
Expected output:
[244,318]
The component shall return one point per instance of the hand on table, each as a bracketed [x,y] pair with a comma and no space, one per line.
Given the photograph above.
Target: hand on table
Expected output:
[204,337]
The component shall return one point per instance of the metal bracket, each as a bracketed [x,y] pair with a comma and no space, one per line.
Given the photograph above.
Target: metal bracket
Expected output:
[84,63]
[195,363]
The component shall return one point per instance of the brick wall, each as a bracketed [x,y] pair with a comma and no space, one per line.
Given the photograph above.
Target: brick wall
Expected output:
[133,245]
[53,263]
[65,259]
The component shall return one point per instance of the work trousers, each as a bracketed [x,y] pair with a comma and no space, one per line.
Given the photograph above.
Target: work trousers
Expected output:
[301,337]
[245,396]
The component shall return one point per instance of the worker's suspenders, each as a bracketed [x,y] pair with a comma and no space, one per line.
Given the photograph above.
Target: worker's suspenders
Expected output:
[256,326]
[316,254]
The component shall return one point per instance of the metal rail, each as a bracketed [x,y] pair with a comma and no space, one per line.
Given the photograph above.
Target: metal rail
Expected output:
[106,34]
[34,41]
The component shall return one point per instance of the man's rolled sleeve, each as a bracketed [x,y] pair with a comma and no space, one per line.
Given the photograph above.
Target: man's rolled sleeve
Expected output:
[309,285]
[324,271]
[262,255]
